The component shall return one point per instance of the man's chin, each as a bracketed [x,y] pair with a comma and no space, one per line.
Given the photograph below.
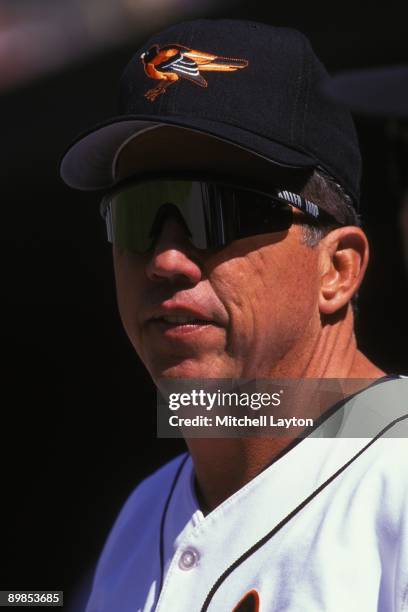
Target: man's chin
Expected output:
[187,369]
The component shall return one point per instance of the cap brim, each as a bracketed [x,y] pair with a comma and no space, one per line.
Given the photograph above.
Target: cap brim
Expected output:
[171,144]
[376,91]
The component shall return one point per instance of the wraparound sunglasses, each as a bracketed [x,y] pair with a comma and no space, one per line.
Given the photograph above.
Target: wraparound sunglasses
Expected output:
[213,214]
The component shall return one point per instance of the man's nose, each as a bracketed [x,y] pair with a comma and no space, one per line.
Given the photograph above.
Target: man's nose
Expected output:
[172,255]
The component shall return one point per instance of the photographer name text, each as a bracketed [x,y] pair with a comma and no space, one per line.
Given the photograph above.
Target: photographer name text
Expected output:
[245,421]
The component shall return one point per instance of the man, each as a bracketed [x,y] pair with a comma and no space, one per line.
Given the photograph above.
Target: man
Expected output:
[237,253]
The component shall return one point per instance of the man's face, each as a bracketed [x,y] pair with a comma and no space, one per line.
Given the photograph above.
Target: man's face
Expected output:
[254,301]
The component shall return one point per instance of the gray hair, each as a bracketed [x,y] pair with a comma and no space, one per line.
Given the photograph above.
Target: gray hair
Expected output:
[322,187]
[319,187]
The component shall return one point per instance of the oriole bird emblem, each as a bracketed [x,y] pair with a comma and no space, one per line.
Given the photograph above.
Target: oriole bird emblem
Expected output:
[171,63]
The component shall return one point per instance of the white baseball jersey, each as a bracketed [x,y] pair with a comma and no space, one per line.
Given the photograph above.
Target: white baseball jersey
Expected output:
[324,528]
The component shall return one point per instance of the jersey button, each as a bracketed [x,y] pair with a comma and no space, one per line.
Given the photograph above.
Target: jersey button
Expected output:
[189,559]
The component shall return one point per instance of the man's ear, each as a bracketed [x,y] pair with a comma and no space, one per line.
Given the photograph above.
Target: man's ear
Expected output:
[343,260]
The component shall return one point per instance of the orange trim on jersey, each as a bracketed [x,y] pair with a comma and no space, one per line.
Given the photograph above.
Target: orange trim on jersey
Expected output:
[249,603]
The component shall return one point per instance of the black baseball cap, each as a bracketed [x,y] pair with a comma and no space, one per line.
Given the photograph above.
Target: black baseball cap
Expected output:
[206,93]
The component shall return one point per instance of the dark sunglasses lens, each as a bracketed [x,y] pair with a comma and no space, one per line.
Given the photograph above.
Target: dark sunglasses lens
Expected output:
[138,213]
[211,215]
[130,223]
[248,213]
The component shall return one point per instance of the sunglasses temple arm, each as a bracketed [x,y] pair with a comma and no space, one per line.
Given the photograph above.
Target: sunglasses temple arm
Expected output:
[300,202]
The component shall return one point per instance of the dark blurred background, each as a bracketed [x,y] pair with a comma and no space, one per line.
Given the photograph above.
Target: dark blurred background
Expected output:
[78,409]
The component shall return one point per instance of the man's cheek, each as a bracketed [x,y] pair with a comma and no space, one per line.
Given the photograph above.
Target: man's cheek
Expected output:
[245,329]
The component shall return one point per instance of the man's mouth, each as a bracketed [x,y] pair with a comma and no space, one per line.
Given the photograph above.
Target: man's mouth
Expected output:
[178,320]
[182,322]
[182,327]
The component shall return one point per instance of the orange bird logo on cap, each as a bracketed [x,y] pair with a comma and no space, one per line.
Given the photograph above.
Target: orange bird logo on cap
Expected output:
[171,63]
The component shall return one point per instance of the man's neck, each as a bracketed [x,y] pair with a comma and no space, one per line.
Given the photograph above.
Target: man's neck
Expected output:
[223,466]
